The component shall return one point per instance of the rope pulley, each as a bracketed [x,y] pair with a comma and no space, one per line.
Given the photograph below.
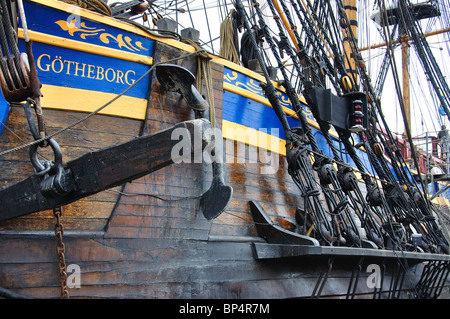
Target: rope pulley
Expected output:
[346,84]
[15,67]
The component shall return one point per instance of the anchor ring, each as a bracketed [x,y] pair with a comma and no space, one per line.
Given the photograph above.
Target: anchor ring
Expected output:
[41,168]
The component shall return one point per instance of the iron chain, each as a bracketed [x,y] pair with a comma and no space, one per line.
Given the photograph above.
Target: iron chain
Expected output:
[60,251]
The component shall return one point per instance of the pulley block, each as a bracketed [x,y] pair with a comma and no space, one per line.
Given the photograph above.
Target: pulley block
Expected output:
[348,112]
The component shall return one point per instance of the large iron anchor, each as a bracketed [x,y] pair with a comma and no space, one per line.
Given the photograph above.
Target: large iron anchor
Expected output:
[175,78]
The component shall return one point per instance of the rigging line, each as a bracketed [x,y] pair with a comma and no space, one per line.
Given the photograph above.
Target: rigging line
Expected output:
[190,14]
[46,138]
[272,223]
[310,40]
[12,132]
[207,23]
[325,32]
[383,120]
[301,48]
[402,106]
[330,14]
[202,7]
[317,29]
[331,200]
[21,139]
[331,71]
[334,27]
[378,106]
[352,42]
[324,130]
[301,165]
[428,105]
[220,11]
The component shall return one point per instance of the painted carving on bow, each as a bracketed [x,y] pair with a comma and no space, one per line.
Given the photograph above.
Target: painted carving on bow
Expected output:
[122,41]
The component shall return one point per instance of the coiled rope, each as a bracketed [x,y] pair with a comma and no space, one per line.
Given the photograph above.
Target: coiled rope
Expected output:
[93,5]
[228,39]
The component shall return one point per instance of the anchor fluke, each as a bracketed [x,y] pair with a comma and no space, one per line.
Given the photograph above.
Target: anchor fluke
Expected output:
[217,197]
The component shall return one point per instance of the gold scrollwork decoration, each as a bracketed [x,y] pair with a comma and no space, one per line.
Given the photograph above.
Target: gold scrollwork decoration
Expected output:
[231,77]
[250,87]
[85,31]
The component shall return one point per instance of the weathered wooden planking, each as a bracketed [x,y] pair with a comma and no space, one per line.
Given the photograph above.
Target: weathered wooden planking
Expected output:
[90,214]
[170,218]
[101,170]
[139,268]
[190,180]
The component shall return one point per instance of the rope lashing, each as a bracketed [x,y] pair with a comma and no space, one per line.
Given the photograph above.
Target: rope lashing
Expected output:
[204,73]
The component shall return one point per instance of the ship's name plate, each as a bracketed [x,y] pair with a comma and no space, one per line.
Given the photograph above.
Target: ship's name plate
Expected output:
[58,65]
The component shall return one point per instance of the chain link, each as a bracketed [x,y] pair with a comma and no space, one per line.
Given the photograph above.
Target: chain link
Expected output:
[60,251]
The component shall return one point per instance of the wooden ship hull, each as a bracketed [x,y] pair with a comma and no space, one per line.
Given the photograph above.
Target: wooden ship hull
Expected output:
[147,238]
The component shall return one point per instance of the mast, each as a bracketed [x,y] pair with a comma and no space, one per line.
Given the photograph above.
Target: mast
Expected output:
[404,17]
[405,78]
[351,10]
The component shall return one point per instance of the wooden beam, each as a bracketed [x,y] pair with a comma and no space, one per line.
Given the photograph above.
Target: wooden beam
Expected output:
[406,39]
[101,170]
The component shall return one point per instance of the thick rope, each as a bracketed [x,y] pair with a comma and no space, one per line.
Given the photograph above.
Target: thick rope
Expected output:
[204,73]
[227,44]
[93,5]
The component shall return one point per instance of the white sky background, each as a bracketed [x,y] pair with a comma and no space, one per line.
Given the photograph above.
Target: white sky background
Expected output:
[424,107]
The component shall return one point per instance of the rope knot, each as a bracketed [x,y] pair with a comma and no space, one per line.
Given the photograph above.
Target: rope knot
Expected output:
[201,52]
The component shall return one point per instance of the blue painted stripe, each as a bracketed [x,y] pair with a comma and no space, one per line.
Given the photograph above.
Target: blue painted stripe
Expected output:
[4,112]
[247,112]
[252,114]
[249,84]
[55,22]
[70,68]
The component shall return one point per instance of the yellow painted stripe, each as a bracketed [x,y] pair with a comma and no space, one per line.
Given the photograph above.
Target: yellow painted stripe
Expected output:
[258,98]
[79,100]
[246,135]
[86,47]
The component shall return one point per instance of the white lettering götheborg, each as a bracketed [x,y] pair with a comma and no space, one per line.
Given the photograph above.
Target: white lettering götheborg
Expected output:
[66,67]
